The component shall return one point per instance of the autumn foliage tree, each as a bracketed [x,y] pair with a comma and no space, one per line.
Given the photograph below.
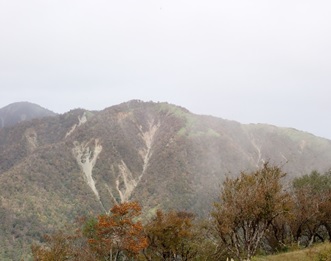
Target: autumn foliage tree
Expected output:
[117,235]
[171,236]
[247,207]
[113,236]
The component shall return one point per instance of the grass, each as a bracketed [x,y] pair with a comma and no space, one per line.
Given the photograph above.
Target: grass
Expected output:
[320,252]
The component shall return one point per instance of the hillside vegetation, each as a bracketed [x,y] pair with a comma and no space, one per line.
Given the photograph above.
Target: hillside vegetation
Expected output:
[56,169]
[254,214]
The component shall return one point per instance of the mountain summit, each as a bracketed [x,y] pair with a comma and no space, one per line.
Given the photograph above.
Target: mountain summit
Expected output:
[55,169]
[22,111]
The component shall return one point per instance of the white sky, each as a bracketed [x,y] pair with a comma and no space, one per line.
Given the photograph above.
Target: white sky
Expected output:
[251,60]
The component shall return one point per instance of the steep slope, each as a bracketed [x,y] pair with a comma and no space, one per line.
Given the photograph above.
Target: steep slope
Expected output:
[22,111]
[53,170]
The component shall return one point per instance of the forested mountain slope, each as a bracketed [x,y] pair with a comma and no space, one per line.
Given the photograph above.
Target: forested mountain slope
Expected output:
[55,169]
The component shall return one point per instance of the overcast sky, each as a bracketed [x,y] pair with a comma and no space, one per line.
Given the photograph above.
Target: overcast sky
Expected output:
[253,61]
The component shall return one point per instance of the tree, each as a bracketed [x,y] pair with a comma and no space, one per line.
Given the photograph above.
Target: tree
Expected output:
[312,209]
[171,236]
[117,236]
[58,249]
[62,246]
[248,205]
[279,235]
[114,236]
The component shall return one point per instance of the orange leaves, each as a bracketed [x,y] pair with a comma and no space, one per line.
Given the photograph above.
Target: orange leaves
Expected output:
[118,232]
[114,236]
[104,221]
[130,209]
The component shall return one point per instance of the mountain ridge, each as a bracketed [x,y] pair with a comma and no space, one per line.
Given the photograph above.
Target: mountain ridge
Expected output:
[54,169]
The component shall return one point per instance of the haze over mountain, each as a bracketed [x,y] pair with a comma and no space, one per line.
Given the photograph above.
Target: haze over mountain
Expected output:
[54,169]
[22,111]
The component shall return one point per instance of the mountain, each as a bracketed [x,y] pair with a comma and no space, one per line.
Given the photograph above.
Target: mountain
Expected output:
[21,111]
[55,169]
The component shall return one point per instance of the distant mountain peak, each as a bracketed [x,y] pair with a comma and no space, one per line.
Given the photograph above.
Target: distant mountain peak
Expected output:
[22,111]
